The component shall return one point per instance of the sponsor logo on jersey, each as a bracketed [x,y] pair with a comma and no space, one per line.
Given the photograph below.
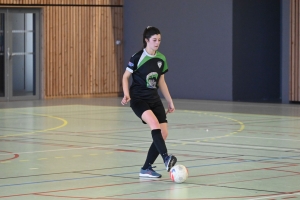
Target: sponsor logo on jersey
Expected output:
[159,63]
[130,64]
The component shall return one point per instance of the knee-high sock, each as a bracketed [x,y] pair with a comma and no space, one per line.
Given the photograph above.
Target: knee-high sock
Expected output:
[151,156]
[159,143]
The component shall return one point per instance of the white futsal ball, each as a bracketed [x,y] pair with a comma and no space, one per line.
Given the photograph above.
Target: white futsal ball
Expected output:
[179,173]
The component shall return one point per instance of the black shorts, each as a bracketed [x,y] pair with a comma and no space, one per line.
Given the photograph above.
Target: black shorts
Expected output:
[140,106]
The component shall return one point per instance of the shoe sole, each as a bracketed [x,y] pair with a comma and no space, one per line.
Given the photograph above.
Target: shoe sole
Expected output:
[171,163]
[148,176]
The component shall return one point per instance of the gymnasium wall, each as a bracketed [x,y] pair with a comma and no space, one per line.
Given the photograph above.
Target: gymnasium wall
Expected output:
[197,39]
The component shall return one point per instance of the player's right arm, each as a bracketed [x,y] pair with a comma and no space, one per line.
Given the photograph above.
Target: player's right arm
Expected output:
[125,83]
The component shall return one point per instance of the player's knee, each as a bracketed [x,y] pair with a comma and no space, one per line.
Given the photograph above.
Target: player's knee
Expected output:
[153,123]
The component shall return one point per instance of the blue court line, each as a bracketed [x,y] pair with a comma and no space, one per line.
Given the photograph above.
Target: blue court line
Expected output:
[197,166]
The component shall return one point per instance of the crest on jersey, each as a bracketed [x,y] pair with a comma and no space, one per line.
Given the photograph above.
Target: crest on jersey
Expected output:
[159,63]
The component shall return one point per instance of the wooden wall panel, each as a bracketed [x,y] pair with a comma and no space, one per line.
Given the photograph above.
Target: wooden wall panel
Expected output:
[80,55]
[295,50]
[63,2]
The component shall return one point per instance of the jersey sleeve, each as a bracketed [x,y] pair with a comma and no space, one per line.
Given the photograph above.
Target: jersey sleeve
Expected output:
[131,67]
[165,69]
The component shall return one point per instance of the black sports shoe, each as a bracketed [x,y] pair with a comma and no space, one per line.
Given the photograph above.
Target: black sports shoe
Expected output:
[170,161]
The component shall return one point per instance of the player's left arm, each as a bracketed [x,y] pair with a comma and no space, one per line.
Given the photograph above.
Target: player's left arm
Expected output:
[165,91]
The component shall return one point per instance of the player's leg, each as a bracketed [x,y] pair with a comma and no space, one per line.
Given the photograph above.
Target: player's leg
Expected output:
[164,130]
[159,111]
[153,152]
[149,117]
[147,169]
[155,121]
[139,107]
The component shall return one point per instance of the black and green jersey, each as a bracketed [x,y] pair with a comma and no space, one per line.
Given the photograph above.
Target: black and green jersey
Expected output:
[146,70]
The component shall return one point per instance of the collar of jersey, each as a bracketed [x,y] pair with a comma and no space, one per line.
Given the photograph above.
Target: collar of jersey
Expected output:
[149,54]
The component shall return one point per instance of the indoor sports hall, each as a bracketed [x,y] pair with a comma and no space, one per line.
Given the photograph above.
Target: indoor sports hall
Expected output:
[233,74]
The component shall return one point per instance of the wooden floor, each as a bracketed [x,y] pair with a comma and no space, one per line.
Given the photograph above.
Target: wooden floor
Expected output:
[89,149]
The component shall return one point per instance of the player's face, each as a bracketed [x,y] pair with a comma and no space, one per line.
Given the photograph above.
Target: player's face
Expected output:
[154,42]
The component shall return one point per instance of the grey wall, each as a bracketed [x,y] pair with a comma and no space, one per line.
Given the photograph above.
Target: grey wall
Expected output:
[197,41]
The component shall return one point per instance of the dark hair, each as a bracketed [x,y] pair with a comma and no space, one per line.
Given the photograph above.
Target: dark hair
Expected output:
[148,32]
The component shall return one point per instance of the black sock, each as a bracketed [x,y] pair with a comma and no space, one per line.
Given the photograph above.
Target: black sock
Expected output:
[151,156]
[159,143]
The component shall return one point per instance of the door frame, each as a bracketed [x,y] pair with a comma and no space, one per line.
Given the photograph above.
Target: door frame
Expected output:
[8,71]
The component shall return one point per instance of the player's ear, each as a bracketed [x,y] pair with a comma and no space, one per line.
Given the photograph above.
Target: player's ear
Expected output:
[146,40]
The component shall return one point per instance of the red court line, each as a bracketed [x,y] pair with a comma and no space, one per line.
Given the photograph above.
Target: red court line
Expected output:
[41,143]
[242,171]
[284,171]
[110,198]
[120,184]
[58,196]
[15,156]
[66,145]
[73,189]
[14,195]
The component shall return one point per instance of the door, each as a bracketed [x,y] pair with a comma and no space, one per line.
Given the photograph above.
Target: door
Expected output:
[19,54]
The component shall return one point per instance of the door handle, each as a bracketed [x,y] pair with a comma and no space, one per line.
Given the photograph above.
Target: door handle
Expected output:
[8,53]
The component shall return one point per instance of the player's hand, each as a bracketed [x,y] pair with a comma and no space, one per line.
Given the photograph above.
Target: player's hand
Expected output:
[125,100]
[171,108]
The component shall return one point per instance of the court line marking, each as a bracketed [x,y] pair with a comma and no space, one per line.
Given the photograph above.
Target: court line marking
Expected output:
[122,174]
[275,196]
[244,105]
[247,146]
[65,122]
[269,197]
[100,146]
[93,147]
[242,126]
[168,141]
[263,138]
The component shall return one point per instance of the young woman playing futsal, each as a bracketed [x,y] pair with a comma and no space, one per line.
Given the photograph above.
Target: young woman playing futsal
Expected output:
[147,68]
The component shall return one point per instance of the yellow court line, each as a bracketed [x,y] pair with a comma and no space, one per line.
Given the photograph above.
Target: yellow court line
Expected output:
[242,125]
[65,122]
[242,114]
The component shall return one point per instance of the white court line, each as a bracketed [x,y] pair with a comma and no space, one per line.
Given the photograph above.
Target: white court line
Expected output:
[55,150]
[266,138]
[275,196]
[169,141]
[93,147]
[242,146]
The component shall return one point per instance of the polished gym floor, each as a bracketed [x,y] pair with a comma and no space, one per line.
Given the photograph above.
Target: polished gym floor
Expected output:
[93,148]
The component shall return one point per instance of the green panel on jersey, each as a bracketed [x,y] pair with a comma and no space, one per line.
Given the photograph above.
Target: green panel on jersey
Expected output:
[158,55]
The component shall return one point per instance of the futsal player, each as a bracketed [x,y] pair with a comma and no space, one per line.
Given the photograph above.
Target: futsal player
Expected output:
[147,68]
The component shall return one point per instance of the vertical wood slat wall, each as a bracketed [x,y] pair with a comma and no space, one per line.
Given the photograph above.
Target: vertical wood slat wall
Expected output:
[294,51]
[80,55]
